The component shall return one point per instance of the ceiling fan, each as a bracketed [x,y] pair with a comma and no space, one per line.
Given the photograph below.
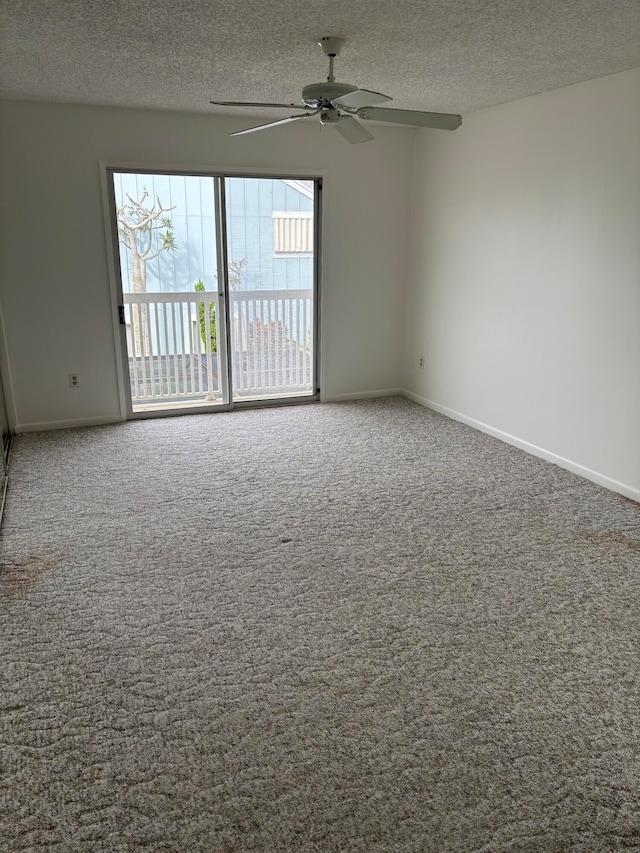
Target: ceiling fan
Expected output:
[340,105]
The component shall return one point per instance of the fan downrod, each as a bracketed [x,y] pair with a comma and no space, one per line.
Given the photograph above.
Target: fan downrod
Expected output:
[321,94]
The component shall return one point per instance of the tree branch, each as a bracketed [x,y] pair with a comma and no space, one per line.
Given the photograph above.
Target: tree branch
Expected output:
[155,254]
[152,214]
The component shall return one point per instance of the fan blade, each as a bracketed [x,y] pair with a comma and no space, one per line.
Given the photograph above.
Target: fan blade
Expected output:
[444,121]
[360,98]
[352,130]
[273,124]
[252,104]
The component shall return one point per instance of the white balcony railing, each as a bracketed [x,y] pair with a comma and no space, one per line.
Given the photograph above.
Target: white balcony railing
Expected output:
[173,344]
[271,338]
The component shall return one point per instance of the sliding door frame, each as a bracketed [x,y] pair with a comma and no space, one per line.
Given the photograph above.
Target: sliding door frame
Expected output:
[108,170]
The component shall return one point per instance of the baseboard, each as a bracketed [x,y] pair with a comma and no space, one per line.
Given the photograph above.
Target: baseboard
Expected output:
[594,476]
[362,395]
[43,426]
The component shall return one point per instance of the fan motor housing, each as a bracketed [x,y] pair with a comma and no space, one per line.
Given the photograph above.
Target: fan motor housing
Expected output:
[319,94]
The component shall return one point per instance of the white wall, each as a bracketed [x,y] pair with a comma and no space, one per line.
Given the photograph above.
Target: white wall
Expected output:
[524,282]
[54,285]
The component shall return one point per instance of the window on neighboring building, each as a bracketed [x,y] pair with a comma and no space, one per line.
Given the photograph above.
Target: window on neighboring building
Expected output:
[293,234]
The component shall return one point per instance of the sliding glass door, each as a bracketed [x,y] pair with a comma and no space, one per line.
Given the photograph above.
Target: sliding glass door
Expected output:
[217,294]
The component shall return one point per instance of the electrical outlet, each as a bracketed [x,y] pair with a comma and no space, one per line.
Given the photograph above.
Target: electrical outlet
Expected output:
[74,381]
[421,362]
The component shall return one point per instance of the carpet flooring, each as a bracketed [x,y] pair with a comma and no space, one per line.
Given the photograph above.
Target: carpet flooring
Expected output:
[346,627]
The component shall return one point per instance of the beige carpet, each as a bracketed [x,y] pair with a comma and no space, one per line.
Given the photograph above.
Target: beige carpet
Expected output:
[352,627]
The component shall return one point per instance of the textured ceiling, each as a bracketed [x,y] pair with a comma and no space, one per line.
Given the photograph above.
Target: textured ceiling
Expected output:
[444,55]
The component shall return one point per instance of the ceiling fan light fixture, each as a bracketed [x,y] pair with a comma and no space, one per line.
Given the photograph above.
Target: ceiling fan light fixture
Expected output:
[329,116]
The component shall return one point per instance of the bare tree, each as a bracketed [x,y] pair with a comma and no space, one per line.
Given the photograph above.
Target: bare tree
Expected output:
[146,232]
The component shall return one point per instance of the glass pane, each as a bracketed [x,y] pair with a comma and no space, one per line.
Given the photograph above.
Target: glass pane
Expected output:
[168,263]
[270,243]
